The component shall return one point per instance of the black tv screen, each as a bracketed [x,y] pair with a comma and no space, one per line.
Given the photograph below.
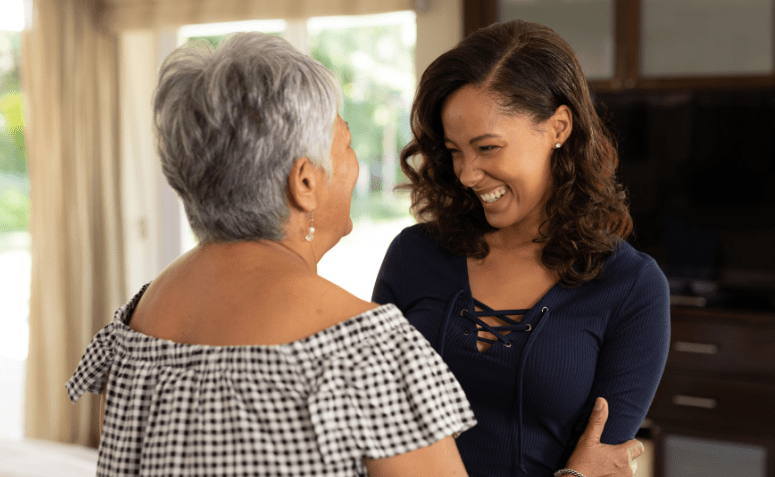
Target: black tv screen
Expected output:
[699,167]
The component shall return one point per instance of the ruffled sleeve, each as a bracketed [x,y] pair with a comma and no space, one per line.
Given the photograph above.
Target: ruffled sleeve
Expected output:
[389,394]
[92,371]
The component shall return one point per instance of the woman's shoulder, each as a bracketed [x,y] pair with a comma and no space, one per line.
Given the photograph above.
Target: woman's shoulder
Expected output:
[627,261]
[628,277]
[636,278]
[287,308]
[335,304]
[414,262]
[417,244]
[417,235]
[304,306]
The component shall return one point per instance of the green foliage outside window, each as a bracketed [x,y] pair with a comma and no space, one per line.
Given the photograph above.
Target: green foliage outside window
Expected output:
[375,65]
[375,69]
[14,182]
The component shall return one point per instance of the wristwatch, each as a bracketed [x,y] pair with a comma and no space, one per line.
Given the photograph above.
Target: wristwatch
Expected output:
[572,472]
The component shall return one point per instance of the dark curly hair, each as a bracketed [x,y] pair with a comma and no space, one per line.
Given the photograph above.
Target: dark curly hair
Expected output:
[532,71]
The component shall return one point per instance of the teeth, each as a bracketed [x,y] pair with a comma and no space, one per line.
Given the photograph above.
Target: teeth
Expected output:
[493,196]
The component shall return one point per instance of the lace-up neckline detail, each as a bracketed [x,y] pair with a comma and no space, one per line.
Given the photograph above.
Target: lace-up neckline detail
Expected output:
[500,332]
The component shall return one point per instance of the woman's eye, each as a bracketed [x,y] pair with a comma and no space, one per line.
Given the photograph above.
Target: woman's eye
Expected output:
[487,148]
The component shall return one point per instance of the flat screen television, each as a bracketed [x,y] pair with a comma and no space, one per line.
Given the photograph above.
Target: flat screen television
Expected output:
[699,167]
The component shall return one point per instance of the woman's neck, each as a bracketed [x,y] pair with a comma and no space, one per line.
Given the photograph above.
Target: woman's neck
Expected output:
[247,253]
[518,238]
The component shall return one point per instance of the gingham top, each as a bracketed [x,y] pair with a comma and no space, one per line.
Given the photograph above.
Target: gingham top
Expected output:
[368,387]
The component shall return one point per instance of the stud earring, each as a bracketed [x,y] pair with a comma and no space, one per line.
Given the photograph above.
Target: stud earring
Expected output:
[311,232]
[557,146]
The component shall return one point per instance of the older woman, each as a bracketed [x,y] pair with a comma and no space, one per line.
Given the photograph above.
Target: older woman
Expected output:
[520,275]
[238,359]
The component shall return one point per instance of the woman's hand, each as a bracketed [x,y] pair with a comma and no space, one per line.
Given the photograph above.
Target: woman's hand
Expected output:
[594,459]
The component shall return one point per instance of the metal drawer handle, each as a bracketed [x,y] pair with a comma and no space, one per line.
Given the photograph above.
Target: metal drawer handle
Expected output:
[693,401]
[700,348]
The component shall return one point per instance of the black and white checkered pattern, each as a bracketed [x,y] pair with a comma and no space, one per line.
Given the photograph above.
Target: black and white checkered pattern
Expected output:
[369,387]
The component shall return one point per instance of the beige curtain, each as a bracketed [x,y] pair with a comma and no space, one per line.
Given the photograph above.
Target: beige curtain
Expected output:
[70,79]
[120,15]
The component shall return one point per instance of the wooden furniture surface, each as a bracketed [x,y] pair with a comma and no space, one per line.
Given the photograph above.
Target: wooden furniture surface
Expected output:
[628,23]
[719,382]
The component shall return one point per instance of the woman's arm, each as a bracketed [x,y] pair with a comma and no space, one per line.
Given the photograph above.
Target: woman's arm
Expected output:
[440,459]
[632,356]
[591,458]
[595,459]
[630,365]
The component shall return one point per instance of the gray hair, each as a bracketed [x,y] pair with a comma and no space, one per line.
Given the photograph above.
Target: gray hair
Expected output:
[230,123]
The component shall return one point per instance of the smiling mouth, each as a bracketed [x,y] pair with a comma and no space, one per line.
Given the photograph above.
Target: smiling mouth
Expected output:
[492,196]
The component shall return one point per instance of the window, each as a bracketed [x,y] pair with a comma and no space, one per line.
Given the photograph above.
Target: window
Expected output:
[14,217]
[373,57]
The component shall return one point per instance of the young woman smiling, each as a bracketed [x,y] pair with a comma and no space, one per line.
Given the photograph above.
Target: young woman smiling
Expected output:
[519,273]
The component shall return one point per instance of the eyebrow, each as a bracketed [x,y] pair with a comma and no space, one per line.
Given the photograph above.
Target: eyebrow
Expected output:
[476,139]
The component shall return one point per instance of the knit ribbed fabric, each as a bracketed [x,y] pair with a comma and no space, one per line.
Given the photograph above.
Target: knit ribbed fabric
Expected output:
[532,394]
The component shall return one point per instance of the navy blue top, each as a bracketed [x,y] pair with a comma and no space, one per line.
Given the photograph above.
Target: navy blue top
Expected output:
[532,391]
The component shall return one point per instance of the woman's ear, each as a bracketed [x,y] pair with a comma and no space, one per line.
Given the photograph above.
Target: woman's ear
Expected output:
[303,182]
[561,124]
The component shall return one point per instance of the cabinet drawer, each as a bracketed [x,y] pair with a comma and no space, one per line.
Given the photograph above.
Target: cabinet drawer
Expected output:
[722,348]
[687,398]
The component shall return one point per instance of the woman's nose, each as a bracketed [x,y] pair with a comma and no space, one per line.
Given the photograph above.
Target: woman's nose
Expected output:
[469,175]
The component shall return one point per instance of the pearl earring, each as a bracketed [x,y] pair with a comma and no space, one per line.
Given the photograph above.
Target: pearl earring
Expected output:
[311,233]
[557,146]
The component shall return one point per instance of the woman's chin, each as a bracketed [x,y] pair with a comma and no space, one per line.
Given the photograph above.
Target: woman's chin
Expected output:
[497,220]
[348,228]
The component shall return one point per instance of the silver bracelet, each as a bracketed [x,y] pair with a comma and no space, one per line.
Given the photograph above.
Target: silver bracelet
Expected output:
[572,472]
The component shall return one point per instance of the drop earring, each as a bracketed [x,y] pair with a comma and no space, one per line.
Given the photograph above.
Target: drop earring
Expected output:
[311,233]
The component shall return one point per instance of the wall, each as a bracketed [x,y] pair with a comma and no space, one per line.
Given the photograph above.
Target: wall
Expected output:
[439,28]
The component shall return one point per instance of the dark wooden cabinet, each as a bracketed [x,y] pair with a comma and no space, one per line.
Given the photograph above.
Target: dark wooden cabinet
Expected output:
[640,27]
[716,399]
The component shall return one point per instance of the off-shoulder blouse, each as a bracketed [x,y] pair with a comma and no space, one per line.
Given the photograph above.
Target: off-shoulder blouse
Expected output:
[368,387]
